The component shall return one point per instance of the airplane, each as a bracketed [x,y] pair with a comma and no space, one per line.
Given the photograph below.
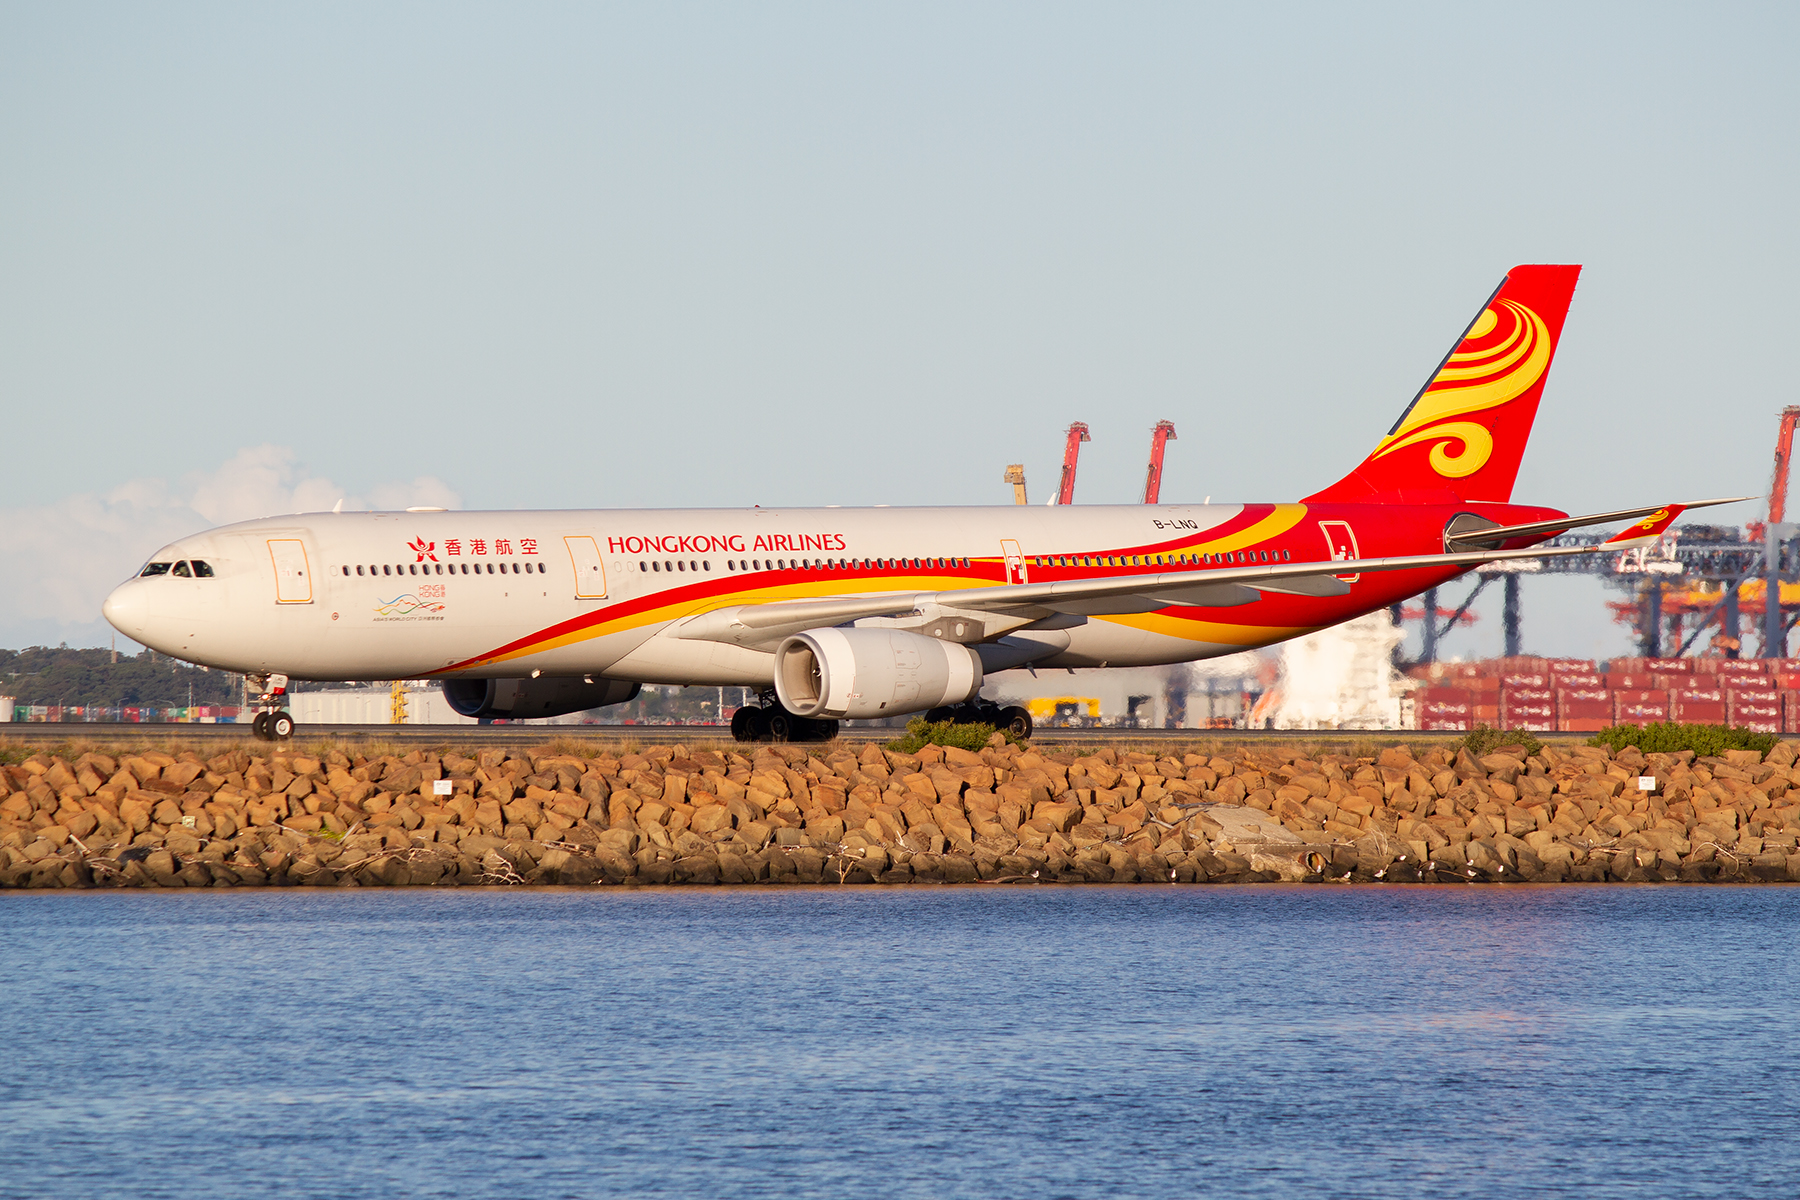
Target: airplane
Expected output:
[842,613]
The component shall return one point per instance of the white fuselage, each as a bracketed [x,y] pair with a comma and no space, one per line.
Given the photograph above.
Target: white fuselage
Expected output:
[505,594]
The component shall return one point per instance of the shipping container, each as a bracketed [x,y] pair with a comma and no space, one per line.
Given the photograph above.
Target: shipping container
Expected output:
[1582,724]
[1692,711]
[1752,693]
[1639,712]
[1437,692]
[1741,711]
[1586,709]
[1699,695]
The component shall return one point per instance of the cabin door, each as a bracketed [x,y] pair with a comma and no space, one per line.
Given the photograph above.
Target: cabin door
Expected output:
[293,577]
[590,572]
[1015,562]
[1340,539]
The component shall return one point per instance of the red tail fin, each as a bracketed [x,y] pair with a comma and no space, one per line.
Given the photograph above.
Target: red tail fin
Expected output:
[1466,430]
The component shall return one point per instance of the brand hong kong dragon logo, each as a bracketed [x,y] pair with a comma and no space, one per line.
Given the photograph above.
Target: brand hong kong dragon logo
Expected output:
[404,606]
[1504,353]
[424,549]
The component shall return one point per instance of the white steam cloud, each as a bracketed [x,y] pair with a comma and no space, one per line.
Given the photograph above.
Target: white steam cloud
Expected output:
[63,558]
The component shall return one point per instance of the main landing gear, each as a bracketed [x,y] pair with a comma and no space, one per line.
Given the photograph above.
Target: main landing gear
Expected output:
[1011,719]
[769,722]
[273,722]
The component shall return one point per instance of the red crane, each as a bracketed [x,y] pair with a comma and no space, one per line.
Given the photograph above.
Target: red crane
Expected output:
[1165,432]
[1784,448]
[1078,433]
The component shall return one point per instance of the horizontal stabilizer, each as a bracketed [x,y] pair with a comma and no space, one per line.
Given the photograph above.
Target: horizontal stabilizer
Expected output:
[1474,538]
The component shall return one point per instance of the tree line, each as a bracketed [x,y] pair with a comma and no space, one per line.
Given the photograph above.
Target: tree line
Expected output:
[60,675]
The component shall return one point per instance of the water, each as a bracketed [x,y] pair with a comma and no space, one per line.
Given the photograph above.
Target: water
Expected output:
[1279,1042]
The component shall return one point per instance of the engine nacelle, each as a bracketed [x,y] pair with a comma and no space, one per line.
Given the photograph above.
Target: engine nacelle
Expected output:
[546,696]
[861,673]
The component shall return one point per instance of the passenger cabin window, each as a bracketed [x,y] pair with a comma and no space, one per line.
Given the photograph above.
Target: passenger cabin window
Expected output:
[155,569]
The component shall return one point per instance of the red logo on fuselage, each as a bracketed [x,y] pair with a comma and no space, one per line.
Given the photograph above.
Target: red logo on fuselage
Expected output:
[423,549]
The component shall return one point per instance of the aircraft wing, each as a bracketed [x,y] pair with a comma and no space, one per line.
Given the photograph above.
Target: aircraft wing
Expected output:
[1474,538]
[1025,603]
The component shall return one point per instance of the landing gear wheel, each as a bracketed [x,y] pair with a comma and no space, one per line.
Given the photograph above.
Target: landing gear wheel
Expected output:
[1016,721]
[783,726]
[260,726]
[821,731]
[938,716]
[749,724]
[281,726]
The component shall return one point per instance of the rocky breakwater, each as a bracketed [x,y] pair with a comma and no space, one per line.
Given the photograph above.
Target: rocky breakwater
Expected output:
[831,815]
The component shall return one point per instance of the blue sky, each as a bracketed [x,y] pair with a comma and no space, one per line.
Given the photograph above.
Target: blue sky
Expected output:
[547,256]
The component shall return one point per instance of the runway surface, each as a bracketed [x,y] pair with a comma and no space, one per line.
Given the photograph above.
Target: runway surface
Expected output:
[654,735]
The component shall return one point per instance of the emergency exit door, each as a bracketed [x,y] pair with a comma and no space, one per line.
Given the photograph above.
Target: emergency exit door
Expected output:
[590,572]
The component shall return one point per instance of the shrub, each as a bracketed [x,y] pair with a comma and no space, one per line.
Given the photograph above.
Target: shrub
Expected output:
[920,732]
[1670,737]
[1483,740]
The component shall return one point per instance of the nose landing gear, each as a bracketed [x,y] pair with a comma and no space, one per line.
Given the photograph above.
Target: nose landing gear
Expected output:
[272,723]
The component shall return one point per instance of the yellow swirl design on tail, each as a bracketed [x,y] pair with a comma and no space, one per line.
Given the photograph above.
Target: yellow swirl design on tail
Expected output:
[1473,379]
[1477,446]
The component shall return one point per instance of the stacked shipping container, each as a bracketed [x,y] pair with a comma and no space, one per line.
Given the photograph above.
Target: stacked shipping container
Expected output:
[205,714]
[1575,695]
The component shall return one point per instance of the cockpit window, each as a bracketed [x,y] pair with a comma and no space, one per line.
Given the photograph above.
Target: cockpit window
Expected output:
[181,571]
[202,570]
[155,569]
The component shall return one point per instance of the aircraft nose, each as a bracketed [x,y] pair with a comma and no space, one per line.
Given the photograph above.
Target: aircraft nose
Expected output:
[126,610]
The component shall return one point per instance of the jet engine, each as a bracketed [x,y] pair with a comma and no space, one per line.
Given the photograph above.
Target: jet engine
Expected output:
[863,673]
[514,699]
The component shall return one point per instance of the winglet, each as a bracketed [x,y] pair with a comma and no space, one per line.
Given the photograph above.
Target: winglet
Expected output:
[1646,531]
